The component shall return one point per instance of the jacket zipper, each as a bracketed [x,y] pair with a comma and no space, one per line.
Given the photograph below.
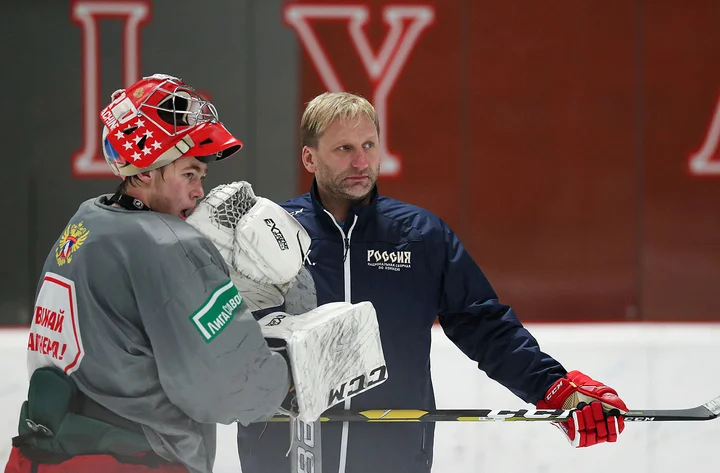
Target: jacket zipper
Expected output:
[346,279]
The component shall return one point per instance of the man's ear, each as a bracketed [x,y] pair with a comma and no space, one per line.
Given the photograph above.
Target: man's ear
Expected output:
[308,159]
[145,176]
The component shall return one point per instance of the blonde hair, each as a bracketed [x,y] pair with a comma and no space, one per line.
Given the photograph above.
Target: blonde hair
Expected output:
[321,111]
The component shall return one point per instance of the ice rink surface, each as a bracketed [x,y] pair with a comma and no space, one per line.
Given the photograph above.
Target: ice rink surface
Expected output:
[652,366]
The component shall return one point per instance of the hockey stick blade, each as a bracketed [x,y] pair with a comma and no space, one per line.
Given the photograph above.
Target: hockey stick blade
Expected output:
[707,411]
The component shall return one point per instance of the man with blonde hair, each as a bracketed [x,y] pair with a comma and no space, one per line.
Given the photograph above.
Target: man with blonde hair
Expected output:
[414,269]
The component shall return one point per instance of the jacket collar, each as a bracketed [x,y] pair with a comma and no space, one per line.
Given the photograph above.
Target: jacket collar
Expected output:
[363,212]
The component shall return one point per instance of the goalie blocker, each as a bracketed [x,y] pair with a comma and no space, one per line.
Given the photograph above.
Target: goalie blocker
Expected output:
[334,352]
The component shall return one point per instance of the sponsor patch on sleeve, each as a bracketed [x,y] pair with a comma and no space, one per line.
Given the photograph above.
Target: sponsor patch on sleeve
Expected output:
[217,312]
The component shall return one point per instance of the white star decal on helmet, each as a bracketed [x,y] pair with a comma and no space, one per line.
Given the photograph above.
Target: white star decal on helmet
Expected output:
[127,145]
[146,151]
[136,156]
[148,134]
[156,145]
[139,123]
[119,135]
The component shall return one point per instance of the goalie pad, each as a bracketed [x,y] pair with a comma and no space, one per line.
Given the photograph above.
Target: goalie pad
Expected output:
[334,353]
[263,246]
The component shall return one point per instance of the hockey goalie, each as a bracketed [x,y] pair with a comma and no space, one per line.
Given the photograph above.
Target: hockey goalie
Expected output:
[334,350]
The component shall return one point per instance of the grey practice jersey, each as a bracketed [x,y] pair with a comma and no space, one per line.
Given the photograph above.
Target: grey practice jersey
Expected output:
[138,308]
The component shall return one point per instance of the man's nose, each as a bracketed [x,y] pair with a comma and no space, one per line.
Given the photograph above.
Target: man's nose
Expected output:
[198,192]
[359,160]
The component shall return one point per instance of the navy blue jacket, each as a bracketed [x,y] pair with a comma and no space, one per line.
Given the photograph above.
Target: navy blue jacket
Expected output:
[413,268]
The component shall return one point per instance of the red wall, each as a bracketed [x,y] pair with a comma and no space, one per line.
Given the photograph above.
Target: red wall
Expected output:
[555,137]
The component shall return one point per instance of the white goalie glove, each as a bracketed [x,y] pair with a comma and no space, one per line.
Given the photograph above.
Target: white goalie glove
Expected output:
[334,352]
[262,244]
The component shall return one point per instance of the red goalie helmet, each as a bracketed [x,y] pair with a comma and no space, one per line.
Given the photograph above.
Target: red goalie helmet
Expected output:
[158,120]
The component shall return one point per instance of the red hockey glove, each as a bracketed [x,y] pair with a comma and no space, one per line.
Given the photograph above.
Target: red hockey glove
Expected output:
[590,424]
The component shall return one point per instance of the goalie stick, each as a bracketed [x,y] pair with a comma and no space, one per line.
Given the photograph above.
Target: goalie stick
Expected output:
[305,447]
[708,411]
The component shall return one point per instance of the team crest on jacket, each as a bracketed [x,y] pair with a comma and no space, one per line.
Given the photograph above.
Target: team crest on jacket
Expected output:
[71,240]
[389,260]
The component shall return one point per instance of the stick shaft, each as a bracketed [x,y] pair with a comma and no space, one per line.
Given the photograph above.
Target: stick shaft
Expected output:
[704,412]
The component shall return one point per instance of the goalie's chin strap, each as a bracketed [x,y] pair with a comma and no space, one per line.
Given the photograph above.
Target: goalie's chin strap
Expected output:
[127,202]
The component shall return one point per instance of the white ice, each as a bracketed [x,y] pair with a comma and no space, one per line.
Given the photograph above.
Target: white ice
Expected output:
[653,366]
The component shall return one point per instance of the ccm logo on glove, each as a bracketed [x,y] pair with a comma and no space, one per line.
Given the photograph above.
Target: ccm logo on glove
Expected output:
[358,384]
[554,390]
